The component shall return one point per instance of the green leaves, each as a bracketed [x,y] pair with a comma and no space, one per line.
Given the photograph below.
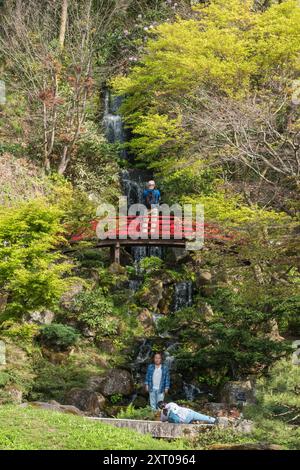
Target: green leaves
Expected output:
[30,270]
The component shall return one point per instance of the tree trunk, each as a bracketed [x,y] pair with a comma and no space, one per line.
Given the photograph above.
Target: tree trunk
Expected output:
[63,23]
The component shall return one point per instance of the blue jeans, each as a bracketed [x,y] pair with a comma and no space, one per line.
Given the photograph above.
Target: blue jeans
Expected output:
[192,416]
[155,396]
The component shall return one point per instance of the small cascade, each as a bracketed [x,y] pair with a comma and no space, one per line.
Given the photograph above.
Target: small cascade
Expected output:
[135,284]
[191,392]
[112,121]
[169,355]
[183,295]
[133,184]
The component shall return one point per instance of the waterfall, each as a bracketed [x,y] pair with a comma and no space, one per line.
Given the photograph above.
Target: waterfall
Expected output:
[112,121]
[183,295]
[191,391]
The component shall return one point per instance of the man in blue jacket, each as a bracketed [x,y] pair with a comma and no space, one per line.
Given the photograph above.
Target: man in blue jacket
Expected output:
[157,381]
[151,195]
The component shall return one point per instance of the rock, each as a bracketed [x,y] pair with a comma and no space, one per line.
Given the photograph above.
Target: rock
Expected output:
[15,394]
[117,381]
[53,406]
[45,317]
[2,353]
[67,298]
[179,254]
[116,268]
[146,319]
[86,400]
[56,357]
[274,334]
[153,295]
[203,278]
[107,346]
[94,382]
[244,426]
[238,392]
[222,410]
[88,332]
[207,311]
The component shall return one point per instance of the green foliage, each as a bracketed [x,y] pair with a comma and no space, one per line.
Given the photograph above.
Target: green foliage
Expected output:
[58,336]
[30,270]
[4,378]
[24,332]
[130,412]
[276,414]
[231,209]
[233,343]
[96,169]
[151,264]
[116,398]
[228,47]
[97,311]
[53,381]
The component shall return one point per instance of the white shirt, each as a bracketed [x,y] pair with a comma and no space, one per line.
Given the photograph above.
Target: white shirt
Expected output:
[157,377]
[180,411]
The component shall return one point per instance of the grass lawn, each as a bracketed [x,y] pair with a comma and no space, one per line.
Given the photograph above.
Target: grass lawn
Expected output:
[29,428]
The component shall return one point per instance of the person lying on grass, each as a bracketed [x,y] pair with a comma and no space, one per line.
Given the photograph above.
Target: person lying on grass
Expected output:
[174,413]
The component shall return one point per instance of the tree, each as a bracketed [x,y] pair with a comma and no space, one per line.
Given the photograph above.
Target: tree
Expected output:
[56,83]
[63,22]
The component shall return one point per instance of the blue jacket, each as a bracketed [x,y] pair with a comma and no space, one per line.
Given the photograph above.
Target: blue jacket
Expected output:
[165,378]
[151,196]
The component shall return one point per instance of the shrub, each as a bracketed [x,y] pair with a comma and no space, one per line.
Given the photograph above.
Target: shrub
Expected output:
[58,337]
[130,412]
[151,264]
[22,331]
[30,268]
[96,312]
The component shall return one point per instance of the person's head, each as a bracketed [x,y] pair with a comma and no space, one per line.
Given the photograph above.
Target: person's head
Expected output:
[151,184]
[161,405]
[157,359]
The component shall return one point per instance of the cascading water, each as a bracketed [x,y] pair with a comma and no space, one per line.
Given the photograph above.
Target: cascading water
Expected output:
[183,295]
[112,121]
[133,184]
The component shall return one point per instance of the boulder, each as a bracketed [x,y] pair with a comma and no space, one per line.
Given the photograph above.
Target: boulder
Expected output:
[67,298]
[86,400]
[116,268]
[117,381]
[152,296]
[15,394]
[44,317]
[54,406]
[207,311]
[274,334]
[106,345]
[203,278]
[238,392]
[56,357]
[146,319]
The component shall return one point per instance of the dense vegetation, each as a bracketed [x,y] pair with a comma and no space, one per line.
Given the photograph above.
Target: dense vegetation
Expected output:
[210,104]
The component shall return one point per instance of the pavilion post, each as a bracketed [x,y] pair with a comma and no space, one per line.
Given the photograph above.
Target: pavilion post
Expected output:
[115,253]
